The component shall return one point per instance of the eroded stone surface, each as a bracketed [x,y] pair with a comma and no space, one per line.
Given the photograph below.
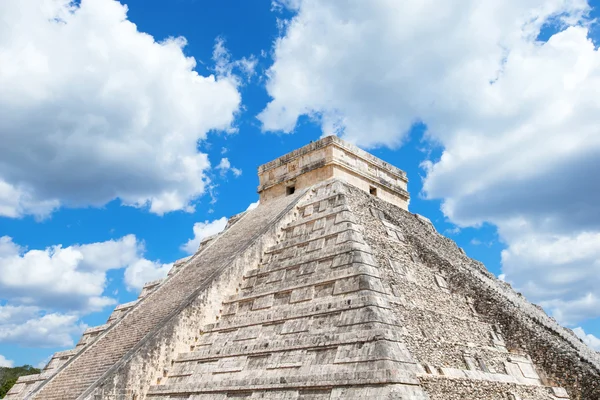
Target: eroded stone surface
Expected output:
[328,293]
[329,158]
[468,329]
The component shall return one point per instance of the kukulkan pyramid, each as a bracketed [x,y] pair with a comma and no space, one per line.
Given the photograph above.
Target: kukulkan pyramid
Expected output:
[329,289]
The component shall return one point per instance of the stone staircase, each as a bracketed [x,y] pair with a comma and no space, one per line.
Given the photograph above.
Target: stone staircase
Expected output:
[329,290]
[118,340]
[311,321]
[25,385]
[342,305]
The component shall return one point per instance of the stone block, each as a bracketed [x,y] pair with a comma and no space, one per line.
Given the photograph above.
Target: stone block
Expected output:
[294,326]
[308,210]
[230,309]
[275,276]
[230,364]
[288,359]
[263,302]
[559,392]
[323,290]
[361,316]
[247,333]
[441,282]
[346,285]
[302,294]
[528,371]
[315,245]
[319,224]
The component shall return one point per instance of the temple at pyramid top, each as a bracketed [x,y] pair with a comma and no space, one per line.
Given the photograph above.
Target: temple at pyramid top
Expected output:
[329,158]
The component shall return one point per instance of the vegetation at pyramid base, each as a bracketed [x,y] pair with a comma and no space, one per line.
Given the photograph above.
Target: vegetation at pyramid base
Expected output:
[8,377]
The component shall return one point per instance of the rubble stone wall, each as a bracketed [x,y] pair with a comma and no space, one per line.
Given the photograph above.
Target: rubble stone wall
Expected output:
[468,329]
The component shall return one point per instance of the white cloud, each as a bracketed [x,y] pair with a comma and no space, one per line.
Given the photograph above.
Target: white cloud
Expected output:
[248,65]
[280,5]
[54,277]
[17,314]
[589,339]
[47,291]
[67,278]
[517,118]
[142,271]
[38,329]
[6,363]
[16,201]
[225,66]
[369,70]
[236,171]
[225,166]
[91,110]
[203,230]
[562,272]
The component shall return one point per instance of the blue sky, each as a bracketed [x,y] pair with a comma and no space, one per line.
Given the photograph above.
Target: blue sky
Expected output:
[494,122]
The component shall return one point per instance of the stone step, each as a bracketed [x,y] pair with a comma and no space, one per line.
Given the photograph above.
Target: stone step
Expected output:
[319,306]
[338,276]
[383,372]
[279,342]
[148,316]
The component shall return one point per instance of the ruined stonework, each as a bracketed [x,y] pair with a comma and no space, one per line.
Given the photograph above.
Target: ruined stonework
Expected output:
[329,158]
[331,290]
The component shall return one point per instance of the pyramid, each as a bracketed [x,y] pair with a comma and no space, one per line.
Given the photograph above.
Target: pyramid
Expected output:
[329,289]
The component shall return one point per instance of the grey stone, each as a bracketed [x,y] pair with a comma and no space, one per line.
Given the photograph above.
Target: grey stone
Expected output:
[332,292]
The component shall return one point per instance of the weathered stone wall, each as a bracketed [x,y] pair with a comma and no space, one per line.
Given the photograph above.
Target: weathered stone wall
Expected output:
[328,158]
[301,182]
[473,334]
[385,189]
[466,389]
[153,361]
[329,294]
[28,384]
[308,321]
[121,340]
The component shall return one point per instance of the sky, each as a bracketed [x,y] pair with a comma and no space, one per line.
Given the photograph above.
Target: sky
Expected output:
[131,130]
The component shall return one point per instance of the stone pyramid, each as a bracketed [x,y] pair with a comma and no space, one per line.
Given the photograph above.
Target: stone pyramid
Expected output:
[330,289]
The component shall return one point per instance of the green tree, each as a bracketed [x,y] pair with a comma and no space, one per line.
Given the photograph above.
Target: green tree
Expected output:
[9,376]
[6,385]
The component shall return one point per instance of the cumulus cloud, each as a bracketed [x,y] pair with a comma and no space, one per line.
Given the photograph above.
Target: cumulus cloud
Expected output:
[588,338]
[516,117]
[18,200]
[6,363]
[47,291]
[369,70]
[91,110]
[35,328]
[70,278]
[203,230]
[562,272]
